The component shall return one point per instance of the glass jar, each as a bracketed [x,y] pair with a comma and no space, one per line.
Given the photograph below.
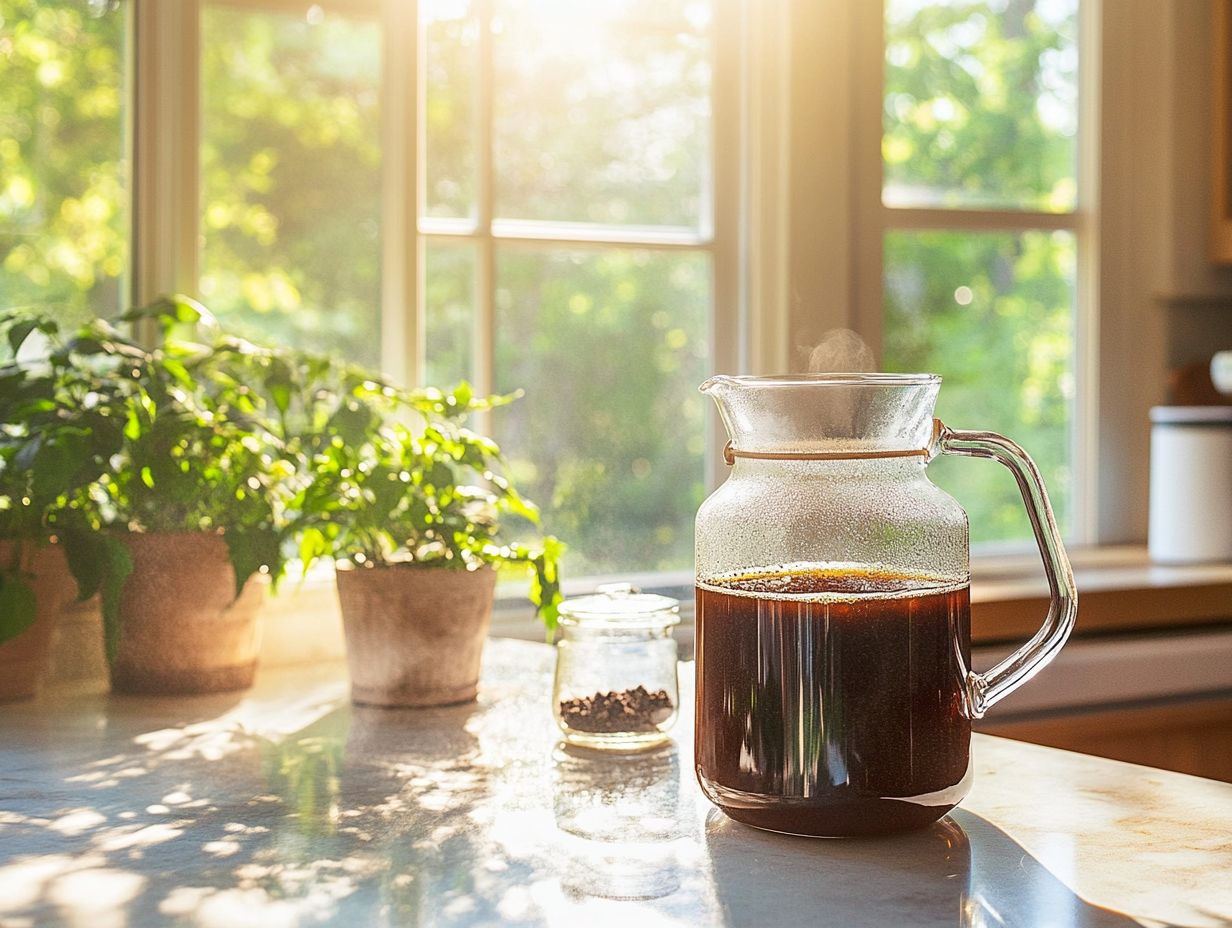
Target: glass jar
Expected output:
[616,685]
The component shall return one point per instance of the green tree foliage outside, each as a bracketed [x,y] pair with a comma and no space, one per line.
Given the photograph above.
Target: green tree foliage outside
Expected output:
[1006,357]
[602,111]
[612,441]
[63,177]
[291,180]
[980,110]
[601,114]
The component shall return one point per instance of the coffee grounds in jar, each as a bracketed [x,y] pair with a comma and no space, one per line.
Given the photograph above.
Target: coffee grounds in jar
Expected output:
[635,710]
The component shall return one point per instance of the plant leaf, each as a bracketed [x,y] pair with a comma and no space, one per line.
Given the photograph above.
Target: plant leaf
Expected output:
[175,308]
[312,544]
[100,562]
[252,548]
[20,331]
[278,382]
[18,605]
[117,565]
[58,462]
[82,550]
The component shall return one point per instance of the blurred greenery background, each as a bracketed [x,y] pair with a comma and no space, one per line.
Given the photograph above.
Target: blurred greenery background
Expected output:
[601,114]
[981,108]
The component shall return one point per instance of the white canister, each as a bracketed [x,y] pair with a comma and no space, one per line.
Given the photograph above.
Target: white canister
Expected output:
[1191,484]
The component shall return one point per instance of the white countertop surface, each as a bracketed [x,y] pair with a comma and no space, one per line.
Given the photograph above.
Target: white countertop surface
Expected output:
[286,806]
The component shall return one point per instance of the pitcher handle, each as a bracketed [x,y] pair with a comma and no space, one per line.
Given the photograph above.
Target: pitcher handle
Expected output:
[985,690]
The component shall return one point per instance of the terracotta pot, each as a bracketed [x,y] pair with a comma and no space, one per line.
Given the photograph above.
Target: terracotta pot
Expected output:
[182,630]
[26,659]
[415,634]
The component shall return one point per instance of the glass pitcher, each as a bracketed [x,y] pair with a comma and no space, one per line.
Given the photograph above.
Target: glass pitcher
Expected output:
[834,687]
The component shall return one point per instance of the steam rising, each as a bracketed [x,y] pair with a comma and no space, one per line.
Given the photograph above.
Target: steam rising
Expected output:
[841,351]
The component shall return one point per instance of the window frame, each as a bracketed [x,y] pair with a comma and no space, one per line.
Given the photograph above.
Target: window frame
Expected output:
[797,221]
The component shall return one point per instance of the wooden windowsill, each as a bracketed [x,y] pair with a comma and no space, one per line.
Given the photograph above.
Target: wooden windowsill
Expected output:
[1119,590]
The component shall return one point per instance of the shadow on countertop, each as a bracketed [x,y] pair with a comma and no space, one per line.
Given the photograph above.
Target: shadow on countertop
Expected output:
[961,871]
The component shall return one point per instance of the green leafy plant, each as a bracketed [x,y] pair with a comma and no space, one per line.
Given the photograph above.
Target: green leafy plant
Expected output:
[390,476]
[60,427]
[196,457]
[430,493]
[145,442]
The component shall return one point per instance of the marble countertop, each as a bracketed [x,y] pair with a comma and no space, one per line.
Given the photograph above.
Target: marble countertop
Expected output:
[288,806]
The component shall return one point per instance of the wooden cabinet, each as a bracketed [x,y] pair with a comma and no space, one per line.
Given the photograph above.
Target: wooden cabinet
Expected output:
[1185,725]
[1221,140]
[1189,737]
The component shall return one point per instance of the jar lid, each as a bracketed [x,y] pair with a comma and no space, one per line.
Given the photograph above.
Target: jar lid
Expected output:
[1191,415]
[620,605]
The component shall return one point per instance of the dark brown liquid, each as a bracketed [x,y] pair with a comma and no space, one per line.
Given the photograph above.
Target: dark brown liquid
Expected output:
[825,714]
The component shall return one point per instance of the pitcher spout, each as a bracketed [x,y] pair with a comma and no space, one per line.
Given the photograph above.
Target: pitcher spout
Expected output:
[715,384]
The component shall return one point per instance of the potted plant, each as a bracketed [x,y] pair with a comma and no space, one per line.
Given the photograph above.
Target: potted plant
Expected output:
[57,437]
[410,505]
[185,518]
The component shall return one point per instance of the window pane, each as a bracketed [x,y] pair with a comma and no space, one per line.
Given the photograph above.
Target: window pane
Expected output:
[993,314]
[63,171]
[449,296]
[981,104]
[290,159]
[602,110]
[451,62]
[610,347]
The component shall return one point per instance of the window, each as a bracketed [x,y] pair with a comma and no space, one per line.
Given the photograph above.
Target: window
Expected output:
[63,169]
[567,206]
[564,238]
[980,235]
[598,203]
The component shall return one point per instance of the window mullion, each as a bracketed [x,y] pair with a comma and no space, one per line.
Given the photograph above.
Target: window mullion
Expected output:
[166,151]
[485,265]
[763,133]
[1086,310]
[729,324]
[990,220]
[833,189]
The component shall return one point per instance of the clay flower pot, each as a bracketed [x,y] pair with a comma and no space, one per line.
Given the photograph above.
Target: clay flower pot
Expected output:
[182,629]
[415,635]
[26,659]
